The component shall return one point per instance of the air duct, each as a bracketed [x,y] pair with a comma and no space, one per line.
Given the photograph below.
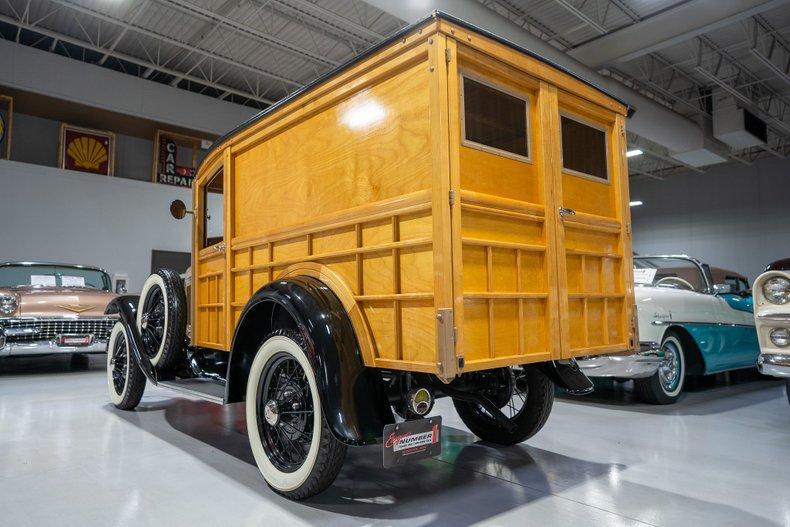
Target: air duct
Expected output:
[651,120]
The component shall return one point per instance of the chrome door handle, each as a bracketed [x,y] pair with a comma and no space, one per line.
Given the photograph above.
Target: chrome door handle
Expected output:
[566,212]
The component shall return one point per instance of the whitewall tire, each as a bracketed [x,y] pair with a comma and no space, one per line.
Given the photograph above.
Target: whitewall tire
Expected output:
[665,386]
[293,447]
[161,318]
[125,380]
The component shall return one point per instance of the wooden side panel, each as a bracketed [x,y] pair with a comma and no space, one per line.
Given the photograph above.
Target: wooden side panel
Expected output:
[350,188]
[596,274]
[209,327]
[506,243]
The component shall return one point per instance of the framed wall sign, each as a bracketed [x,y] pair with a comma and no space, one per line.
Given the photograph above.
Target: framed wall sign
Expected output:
[175,158]
[86,150]
[6,123]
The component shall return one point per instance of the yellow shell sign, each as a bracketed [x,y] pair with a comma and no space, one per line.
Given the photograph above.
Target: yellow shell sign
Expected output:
[87,152]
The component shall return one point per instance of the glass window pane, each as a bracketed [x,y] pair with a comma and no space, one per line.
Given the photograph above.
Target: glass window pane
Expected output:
[494,118]
[212,194]
[583,148]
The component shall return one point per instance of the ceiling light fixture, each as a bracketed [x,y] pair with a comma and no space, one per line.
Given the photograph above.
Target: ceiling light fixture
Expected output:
[634,152]
[636,203]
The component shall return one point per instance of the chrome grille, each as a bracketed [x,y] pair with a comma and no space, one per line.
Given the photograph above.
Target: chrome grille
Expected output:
[48,329]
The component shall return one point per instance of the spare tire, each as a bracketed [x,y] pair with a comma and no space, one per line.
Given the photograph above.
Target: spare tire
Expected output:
[162,318]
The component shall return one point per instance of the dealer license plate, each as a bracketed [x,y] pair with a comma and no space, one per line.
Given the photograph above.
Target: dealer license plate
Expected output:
[75,340]
[412,440]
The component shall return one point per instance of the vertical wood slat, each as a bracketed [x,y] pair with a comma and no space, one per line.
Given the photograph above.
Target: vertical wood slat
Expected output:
[251,287]
[623,211]
[359,260]
[396,289]
[549,164]
[228,233]
[521,346]
[583,287]
[490,301]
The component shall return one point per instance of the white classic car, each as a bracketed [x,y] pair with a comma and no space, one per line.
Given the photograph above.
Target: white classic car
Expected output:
[772,317]
[693,319]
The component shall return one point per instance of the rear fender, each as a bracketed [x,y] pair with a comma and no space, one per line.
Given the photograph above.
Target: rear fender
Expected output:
[352,396]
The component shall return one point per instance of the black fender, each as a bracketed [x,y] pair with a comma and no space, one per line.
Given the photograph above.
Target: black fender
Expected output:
[353,398]
[567,375]
[125,306]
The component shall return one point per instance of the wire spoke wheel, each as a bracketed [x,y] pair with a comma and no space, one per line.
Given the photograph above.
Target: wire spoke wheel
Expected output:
[120,365]
[153,321]
[523,394]
[286,413]
[125,380]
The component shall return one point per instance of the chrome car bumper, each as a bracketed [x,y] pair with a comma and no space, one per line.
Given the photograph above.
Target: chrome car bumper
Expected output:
[46,347]
[637,366]
[774,364]
[47,335]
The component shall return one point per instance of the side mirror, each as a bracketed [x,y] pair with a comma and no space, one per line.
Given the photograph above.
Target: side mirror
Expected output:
[178,209]
[721,289]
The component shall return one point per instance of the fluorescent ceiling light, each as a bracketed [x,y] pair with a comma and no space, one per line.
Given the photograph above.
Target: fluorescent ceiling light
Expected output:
[636,203]
[634,152]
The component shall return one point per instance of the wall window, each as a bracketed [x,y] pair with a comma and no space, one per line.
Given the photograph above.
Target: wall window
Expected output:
[583,148]
[495,119]
[213,213]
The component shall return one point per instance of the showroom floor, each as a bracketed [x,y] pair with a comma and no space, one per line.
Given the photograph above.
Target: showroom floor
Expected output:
[718,457]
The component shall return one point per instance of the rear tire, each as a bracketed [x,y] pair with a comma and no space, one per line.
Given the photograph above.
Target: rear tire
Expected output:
[290,438]
[665,386]
[125,380]
[528,407]
[162,318]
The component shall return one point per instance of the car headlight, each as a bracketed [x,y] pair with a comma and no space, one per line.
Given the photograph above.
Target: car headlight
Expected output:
[780,337]
[777,290]
[8,304]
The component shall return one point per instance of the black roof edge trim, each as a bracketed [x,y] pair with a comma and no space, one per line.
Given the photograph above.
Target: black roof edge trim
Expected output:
[435,15]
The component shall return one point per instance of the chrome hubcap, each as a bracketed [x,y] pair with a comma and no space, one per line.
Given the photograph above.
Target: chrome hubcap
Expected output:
[669,371]
[271,413]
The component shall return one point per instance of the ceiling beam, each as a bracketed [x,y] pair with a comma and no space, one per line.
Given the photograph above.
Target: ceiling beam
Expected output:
[668,28]
[164,38]
[248,31]
[128,58]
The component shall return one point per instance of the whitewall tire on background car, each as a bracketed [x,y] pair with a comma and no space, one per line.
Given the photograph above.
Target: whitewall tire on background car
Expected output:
[289,436]
[125,380]
[665,386]
[161,318]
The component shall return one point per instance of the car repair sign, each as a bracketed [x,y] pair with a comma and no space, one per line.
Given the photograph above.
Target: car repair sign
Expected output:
[412,440]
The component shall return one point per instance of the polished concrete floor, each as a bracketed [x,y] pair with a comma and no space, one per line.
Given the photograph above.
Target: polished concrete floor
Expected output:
[721,456]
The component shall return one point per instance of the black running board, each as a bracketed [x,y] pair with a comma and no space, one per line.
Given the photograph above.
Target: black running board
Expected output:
[206,389]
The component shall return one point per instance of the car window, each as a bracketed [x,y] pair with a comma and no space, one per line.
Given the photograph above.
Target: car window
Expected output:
[53,276]
[213,213]
[675,273]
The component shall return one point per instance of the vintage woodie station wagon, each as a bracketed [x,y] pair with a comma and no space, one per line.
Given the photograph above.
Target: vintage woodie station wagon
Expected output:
[445,216]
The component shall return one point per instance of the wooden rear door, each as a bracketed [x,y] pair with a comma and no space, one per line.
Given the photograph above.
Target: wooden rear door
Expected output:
[209,268]
[593,234]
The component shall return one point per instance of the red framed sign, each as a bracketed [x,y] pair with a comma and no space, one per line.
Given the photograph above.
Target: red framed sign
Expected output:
[86,150]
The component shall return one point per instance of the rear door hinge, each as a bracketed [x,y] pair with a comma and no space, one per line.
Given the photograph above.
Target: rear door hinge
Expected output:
[447,55]
[452,198]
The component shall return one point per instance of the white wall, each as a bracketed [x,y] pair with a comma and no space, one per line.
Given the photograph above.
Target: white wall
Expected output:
[57,215]
[37,71]
[733,216]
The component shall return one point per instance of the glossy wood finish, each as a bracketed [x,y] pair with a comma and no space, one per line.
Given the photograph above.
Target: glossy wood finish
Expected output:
[364,182]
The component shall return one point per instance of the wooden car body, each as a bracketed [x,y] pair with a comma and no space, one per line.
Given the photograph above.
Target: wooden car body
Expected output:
[449,256]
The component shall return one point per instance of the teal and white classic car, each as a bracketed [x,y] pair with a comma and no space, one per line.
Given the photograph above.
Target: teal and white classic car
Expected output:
[693,320]
[772,315]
